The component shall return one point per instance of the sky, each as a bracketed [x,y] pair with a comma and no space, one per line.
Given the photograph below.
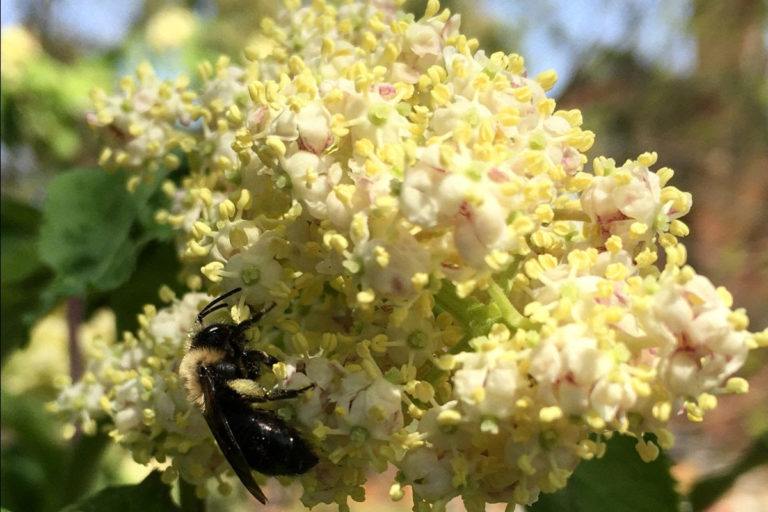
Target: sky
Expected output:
[570,30]
[574,27]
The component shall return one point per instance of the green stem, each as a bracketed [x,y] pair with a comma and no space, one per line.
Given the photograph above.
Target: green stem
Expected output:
[188,498]
[461,346]
[448,301]
[508,312]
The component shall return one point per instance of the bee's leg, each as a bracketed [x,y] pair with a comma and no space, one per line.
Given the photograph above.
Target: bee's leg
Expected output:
[247,324]
[278,394]
[257,356]
[252,361]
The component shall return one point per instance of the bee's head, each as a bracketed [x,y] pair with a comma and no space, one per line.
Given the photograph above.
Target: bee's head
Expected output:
[214,336]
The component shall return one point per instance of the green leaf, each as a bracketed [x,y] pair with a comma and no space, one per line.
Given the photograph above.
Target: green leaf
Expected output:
[85,236]
[151,495]
[619,482]
[90,235]
[33,455]
[188,498]
[22,274]
[157,264]
[93,230]
[18,256]
[708,490]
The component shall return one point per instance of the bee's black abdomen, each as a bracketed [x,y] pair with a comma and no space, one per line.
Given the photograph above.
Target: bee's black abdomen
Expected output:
[270,445]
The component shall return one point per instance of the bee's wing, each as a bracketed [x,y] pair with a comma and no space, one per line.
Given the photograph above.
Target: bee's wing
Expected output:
[219,426]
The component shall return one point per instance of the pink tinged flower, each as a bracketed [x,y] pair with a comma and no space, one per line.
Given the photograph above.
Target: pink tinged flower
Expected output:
[607,201]
[386,90]
[406,257]
[572,398]
[571,161]
[479,229]
[640,199]
[255,119]
[497,175]
[681,373]
[314,128]
[584,361]
[712,330]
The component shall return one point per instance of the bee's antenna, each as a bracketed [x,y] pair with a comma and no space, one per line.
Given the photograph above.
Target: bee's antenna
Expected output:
[208,311]
[212,306]
[246,324]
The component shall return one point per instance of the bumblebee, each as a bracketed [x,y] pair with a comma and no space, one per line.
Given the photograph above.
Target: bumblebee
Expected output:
[250,438]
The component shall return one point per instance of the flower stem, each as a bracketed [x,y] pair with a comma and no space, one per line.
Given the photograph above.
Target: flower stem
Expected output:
[188,498]
[448,301]
[75,310]
[508,312]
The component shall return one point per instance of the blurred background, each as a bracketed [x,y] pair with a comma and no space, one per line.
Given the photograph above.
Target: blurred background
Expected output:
[686,78]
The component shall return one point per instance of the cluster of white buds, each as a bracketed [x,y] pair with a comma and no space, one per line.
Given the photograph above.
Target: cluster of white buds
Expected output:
[472,304]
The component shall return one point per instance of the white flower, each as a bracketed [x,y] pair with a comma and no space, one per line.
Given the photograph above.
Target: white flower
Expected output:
[585,361]
[628,195]
[314,126]
[479,229]
[423,39]
[430,476]
[487,382]
[546,362]
[256,270]
[612,394]
[391,267]
[377,407]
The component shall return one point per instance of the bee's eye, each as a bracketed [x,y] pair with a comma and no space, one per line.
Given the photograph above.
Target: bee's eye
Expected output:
[212,330]
[212,336]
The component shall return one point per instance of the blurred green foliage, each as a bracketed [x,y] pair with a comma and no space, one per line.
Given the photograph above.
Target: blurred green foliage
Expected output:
[618,482]
[22,276]
[151,495]
[95,245]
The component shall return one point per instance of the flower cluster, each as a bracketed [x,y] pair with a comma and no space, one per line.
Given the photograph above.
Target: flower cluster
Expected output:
[472,303]
[133,385]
